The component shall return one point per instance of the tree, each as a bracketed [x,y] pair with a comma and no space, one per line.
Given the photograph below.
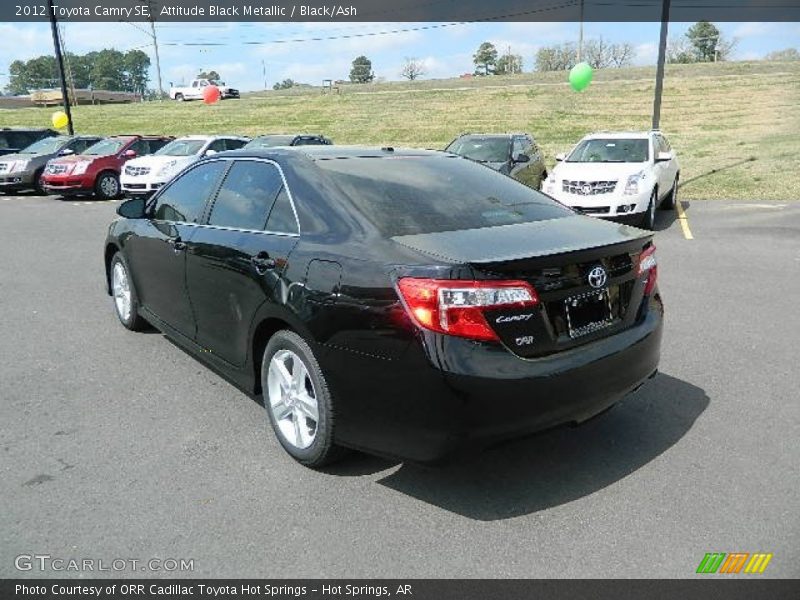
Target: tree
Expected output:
[284,85]
[782,55]
[413,69]
[362,70]
[679,51]
[597,53]
[208,75]
[556,58]
[707,43]
[509,64]
[485,59]
[137,67]
[620,55]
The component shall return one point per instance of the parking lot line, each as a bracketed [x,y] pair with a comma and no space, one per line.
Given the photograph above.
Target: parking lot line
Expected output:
[683,220]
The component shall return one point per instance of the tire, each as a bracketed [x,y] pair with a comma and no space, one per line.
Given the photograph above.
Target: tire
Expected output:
[308,441]
[38,186]
[179,98]
[123,292]
[669,202]
[649,216]
[106,186]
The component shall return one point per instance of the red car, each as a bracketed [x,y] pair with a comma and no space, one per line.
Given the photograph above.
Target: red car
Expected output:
[97,169]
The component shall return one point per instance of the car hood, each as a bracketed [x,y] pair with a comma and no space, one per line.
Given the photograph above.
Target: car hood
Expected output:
[524,240]
[75,158]
[156,162]
[596,171]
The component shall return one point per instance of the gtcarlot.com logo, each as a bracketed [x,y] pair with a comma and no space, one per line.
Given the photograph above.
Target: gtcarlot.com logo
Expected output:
[732,563]
[46,562]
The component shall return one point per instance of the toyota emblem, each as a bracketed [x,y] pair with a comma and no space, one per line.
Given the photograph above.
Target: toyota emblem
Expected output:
[597,277]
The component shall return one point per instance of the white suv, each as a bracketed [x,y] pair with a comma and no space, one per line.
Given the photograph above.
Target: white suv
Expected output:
[143,176]
[623,176]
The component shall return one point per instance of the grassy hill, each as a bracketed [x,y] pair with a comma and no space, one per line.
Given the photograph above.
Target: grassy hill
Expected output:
[734,125]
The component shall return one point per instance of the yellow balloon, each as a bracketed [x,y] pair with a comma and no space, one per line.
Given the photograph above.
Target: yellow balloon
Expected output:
[60,119]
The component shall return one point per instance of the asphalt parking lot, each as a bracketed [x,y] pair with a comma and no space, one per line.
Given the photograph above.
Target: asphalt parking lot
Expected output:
[120,445]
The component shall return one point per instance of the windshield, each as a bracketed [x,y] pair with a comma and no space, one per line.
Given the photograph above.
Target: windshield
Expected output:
[105,148]
[424,194]
[611,150]
[49,145]
[270,141]
[482,149]
[182,148]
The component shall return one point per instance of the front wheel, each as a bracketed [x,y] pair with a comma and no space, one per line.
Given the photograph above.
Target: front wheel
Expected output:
[107,186]
[179,97]
[298,401]
[649,216]
[672,197]
[126,302]
[38,183]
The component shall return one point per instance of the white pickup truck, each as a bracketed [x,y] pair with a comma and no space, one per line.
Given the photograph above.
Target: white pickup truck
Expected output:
[195,90]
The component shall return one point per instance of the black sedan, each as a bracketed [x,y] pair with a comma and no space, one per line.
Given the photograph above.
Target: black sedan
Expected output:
[406,303]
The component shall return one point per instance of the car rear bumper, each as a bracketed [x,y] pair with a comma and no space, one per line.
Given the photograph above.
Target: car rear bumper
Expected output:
[482,393]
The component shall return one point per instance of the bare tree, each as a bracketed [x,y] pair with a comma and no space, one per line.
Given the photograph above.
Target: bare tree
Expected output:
[620,55]
[556,58]
[679,50]
[413,68]
[781,55]
[596,53]
[509,64]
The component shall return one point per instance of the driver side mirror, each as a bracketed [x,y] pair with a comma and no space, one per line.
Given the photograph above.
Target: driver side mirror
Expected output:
[664,157]
[66,152]
[135,208]
[561,157]
[129,153]
[522,158]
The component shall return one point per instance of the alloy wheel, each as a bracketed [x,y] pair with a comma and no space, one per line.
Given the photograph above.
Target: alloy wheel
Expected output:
[122,291]
[292,399]
[109,186]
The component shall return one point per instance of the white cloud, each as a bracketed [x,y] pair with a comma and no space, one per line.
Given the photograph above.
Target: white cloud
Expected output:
[645,54]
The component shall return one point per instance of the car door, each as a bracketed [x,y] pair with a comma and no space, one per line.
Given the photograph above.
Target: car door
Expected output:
[157,251]
[662,167]
[237,258]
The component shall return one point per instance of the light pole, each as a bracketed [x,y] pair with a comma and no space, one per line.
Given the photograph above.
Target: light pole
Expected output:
[662,57]
[60,62]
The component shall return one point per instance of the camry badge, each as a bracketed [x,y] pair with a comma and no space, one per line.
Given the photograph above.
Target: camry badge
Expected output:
[597,277]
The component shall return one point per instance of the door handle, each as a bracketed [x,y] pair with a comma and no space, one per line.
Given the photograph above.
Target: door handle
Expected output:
[262,262]
[178,245]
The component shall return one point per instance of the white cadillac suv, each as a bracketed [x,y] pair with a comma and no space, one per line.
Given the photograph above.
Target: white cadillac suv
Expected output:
[623,176]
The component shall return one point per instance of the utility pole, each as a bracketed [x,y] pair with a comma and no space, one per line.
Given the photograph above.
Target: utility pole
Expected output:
[580,36]
[264,71]
[60,62]
[154,37]
[662,57]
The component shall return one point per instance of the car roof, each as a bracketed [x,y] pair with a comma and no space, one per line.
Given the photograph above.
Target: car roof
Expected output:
[211,137]
[334,152]
[619,134]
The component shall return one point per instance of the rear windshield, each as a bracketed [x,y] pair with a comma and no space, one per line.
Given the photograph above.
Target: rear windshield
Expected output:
[482,149]
[411,195]
[270,141]
[105,148]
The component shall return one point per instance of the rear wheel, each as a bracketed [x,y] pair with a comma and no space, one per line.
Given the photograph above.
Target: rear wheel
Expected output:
[672,197]
[649,216]
[126,302]
[298,401]
[179,97]
[38,184]
[107,186]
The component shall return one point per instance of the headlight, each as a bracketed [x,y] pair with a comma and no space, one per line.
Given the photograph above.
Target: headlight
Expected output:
[19,165]
[632,186]
[80,167]
[168,167]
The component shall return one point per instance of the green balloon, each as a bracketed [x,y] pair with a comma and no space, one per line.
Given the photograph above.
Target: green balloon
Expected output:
[580,76]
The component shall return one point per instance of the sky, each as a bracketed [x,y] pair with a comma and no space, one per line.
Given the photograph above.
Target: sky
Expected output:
[446,51]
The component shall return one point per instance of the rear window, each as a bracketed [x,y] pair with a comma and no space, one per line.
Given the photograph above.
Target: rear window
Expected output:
[412,195]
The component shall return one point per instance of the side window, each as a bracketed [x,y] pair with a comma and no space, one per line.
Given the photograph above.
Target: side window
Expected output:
[4,141]
[518,147]
[156,145]
[231,144]
[307,141]
[184,199]
[217,146]
[281,218]
[141,147]
[246,196]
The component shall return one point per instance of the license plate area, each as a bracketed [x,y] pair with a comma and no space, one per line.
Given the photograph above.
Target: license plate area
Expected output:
[588,312]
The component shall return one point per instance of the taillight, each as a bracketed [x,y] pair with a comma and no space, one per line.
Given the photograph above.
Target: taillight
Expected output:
[648,265]
[455,307]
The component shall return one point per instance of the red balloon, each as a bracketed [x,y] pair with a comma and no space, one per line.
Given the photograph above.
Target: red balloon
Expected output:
[211,94]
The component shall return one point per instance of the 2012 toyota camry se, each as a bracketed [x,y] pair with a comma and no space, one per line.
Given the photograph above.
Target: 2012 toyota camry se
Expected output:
[402,302]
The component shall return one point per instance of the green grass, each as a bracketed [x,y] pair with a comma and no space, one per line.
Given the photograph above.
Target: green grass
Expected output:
[735,126]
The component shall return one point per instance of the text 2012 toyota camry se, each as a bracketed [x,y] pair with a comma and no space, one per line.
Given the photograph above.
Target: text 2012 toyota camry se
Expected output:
[406,303]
